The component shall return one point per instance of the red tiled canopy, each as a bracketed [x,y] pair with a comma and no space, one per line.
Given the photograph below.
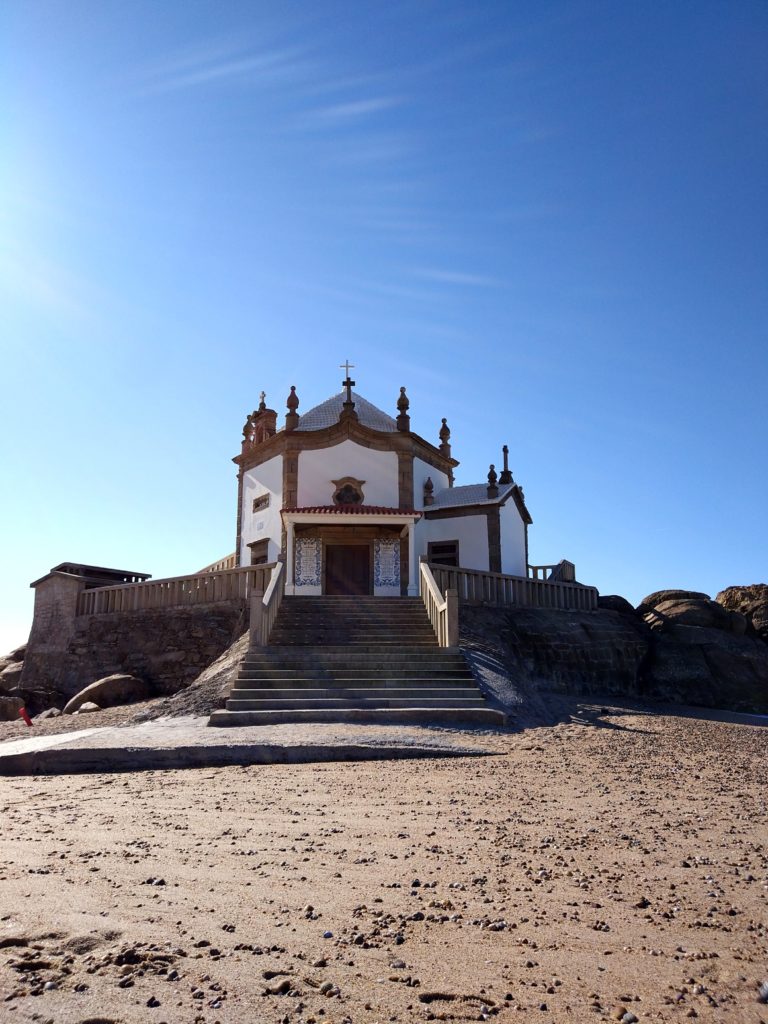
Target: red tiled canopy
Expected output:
[360,510]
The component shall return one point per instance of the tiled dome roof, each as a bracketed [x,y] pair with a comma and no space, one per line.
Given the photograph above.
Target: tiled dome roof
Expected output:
[328,412]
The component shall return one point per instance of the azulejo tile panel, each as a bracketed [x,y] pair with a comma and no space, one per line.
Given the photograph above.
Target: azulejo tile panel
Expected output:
[386,563]
[308,562]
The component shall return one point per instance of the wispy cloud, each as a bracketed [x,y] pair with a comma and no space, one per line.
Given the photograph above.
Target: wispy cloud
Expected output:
[457,277]
[221,62]
[355,109]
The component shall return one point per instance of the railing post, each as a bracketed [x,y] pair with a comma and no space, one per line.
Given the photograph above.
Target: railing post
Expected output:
[452,617]
[257,616]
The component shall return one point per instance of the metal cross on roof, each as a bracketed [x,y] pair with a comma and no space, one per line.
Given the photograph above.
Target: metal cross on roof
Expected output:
[348,383]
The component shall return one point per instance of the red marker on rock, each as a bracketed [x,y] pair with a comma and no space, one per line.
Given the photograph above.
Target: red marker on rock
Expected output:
[23,714]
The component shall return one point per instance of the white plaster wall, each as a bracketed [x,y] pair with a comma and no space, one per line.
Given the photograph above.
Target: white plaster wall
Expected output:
[513,559]
[265,524]
[422,470]
[470,531]
[317,470]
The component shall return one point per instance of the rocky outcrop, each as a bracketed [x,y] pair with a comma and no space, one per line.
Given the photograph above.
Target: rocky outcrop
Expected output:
[678,646]
[701,653]
[752,603]
[109,692]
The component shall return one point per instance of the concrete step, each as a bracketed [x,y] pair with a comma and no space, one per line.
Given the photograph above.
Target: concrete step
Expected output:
[479,716]
[357,692]
[375,682]
[288,704]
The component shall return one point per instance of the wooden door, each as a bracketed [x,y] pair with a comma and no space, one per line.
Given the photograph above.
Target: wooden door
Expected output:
[347,569]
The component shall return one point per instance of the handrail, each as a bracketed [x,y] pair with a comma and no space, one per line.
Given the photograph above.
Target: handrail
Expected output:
[265,605]
[230,562]
[495,588]
[443,612]
[176,591]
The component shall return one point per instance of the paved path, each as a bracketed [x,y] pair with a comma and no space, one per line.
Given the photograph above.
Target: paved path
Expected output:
[189,742]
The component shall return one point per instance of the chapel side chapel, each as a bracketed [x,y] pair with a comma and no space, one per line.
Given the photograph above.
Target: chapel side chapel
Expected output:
[350,497]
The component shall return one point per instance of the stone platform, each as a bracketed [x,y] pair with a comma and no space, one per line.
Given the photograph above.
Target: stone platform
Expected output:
[189,743]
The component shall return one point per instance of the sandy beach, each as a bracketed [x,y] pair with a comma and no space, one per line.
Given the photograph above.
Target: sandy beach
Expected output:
[613,866]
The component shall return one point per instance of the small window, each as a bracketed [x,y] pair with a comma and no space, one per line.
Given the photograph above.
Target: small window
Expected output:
[444,552]
[259,552]
[261,502]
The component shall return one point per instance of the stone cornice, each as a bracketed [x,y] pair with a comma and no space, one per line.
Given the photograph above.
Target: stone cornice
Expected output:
[347,429]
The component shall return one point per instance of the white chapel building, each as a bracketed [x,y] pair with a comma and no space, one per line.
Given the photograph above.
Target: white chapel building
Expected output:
[349,497]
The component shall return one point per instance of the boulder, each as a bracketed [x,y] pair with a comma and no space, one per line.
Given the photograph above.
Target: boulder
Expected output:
[615,603]
[751,602]
[668,608]
[11,676]
[50,713]
[10,708]
[109,692]
[87,708]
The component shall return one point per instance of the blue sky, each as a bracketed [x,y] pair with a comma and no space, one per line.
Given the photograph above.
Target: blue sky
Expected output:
[547,220]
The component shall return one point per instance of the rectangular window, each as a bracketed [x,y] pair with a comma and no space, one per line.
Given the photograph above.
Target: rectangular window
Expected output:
[444,552]
[259,552]
[261,502]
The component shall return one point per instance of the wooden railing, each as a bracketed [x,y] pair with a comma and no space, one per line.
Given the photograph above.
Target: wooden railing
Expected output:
[564,572]
[230,562]
[494,588]
[265,605]
[176,592]
[443,612]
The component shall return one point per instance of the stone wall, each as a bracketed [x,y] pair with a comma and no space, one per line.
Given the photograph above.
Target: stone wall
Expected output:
[166,647]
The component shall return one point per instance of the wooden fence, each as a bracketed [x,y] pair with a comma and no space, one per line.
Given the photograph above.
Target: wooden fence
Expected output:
[177,592]
[495,588]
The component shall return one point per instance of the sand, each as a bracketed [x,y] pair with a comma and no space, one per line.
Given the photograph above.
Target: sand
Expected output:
[612,866]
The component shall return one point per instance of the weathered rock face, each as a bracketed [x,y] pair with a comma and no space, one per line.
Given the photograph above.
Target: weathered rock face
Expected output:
[751,602]
[167,648]
[110,691]
[709,667]
[580,653]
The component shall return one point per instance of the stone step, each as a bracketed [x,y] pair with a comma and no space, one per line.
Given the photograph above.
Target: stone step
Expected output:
[364,693]
[353,692]
[340,655]
[309,704]
[360,679]
[481,716]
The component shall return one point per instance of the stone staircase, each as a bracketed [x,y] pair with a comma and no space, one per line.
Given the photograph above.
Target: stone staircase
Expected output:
[355,659]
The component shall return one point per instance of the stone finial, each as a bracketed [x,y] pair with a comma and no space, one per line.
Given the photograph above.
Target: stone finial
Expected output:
[248,428]
[506,473]
[262,401]
[429,488]
[292,417]
[403,404]
[445,436]
[493,490]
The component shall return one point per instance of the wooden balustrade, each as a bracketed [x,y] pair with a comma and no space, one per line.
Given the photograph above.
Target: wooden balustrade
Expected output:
[230,562]
[564,572]
[177,592]
[494,588]
[265,605]
[443,612]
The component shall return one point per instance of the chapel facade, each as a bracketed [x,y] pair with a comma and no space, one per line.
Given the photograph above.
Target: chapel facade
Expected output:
[349,497]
